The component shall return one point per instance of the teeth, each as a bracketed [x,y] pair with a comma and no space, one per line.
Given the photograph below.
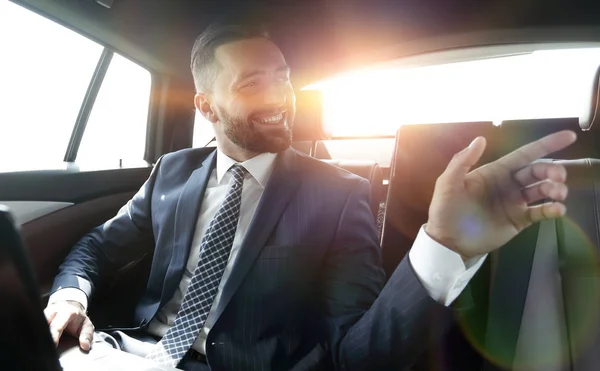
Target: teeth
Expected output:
[271,120]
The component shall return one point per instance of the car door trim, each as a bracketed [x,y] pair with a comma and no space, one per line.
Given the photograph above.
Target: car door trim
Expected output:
[26,211]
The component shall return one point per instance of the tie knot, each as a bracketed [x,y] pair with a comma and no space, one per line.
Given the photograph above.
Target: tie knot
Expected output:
[237,174]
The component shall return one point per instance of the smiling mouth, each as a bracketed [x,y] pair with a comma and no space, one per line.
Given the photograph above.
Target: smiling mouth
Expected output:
[273,120]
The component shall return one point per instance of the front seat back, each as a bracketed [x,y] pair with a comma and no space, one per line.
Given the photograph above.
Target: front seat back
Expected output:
[421,154]
[544,306]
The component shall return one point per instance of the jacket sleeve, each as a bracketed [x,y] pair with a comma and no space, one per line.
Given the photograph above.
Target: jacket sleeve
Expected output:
[371,324]
[110,245]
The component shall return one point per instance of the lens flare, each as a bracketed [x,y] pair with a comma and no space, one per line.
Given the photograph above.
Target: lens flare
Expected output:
[578,280]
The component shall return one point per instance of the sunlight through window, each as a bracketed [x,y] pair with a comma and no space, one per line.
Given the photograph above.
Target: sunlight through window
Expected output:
[543,84]
[45,75]
[116,129]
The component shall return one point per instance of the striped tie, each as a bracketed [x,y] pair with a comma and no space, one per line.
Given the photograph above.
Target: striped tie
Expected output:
[214,254]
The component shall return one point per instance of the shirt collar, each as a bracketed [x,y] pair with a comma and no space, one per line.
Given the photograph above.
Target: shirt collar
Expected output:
[260,167]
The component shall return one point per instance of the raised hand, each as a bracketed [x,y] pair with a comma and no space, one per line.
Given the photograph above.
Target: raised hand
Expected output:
[475,212]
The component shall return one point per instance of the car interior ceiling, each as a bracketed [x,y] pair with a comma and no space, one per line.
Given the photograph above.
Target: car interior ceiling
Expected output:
[158,34]
[342,35]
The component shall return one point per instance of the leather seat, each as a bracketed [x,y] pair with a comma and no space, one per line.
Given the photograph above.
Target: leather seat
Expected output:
[520,132]
[369,170]
[421,154]
[552,268]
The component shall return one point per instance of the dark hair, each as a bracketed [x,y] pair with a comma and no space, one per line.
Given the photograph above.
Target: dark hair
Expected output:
[203,66]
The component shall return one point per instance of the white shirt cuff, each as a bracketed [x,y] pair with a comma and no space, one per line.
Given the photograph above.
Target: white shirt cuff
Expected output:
[69,293]
[442,271]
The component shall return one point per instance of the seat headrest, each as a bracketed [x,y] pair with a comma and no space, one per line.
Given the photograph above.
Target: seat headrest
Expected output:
[308,124]
[591,112]
[423,151]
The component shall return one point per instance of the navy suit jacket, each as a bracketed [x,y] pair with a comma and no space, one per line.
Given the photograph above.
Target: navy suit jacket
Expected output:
[308,290]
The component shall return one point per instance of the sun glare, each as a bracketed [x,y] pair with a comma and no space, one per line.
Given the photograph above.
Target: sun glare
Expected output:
[543,84]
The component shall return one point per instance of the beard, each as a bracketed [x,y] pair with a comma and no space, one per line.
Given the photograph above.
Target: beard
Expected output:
[244,134]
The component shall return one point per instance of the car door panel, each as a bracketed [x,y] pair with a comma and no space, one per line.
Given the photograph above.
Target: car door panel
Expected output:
[56,208]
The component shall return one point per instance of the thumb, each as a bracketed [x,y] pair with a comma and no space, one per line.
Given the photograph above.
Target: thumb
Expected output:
[86,334]
[463,161]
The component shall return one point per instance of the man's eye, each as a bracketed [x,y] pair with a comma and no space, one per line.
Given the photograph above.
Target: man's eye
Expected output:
[250,84]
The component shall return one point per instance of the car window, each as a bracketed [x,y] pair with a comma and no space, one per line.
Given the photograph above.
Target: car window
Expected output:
[45,75]
[515,87]
[116,129]
[46,71]
[203,131]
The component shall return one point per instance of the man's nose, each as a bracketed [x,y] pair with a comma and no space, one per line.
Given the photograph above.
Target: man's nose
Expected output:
[275,95]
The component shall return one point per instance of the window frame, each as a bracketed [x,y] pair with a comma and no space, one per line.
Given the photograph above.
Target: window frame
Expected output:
[87,105]
[89,101]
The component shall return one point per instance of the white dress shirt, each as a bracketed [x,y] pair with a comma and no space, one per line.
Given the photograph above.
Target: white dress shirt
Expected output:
[259,170]
[441,271]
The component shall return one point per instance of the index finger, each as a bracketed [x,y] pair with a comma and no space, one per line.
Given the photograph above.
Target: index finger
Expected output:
[59,324]
[50,314]
[535,150]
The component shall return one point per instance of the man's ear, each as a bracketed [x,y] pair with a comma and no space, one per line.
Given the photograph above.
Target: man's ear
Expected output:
[203,104]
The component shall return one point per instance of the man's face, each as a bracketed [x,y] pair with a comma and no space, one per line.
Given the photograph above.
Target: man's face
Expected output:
[252,97]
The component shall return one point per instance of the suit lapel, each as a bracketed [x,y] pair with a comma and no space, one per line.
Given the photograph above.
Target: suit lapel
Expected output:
[278,192]
[186,216]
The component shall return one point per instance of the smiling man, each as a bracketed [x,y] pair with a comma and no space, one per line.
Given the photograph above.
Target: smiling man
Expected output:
[267,259]
[245,84]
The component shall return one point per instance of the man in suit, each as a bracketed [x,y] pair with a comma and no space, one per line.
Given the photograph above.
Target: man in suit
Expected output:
[267,259]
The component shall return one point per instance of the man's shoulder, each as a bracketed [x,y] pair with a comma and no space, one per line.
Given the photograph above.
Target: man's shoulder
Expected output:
[324,173]
[183,162]
[191,157]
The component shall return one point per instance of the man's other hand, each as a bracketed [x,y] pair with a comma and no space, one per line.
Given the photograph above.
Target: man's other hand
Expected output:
[70,317]
[475,212]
